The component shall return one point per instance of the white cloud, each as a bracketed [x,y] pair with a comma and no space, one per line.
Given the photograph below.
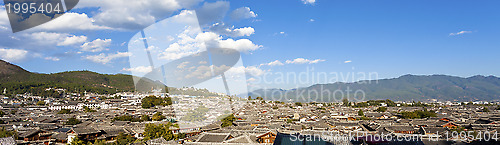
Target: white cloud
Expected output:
[309,1]
[347,61]
[303,61]
[106,58]
[274,63]
[70,22]
[96,45]
[255,71]
[221,29]
[242,45]
[13,55]
[58,39]
[126,14]
[460,33]
[52,58]
[242,13]
[73,40]
[139,69]
[311,20]
[186,45]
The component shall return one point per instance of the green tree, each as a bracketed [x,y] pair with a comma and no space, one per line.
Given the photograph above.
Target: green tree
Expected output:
[152,101]
[126,118]
[2,113]
[158,116]
[6,133]
[123,139]
[228,121]
[153,131]
[345,101]
[77,141]
[40,103]
[249,97]
[298,104]
[87,109]
[145,118]
[381,109]
[485,109]
[360,113]
[73,121]
[64,111]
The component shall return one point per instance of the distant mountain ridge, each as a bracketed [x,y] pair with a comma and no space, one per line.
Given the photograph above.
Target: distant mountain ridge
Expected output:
[404,88]
[16,80]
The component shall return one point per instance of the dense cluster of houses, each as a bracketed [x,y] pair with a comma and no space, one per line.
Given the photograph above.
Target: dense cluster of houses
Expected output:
[257,122]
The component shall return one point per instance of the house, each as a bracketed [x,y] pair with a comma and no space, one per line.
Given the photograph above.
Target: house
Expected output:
[83,133]
[401,129]
[267,137]
[243,139]
[214,137]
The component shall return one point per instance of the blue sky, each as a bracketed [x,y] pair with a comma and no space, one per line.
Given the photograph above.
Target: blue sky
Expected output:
[389,37]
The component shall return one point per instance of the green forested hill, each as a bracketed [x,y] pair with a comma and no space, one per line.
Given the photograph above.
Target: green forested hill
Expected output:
[404,88]
[17,80]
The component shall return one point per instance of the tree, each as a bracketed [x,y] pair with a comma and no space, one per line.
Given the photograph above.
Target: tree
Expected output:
[126,118]
[145,118]
[2,113]
[360,113]
[64,111]
[40,103]
[152,101]
[381,109]
[87,109]
[6,133]
[158,116]
[249,97]
[153,131]
[73,121]
[298,104]
[228,121]
[77,141]
[345,101]
[485,109]
[123,139]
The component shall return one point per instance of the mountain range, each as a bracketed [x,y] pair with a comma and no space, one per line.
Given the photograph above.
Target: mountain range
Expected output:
[15,79]
[404,88]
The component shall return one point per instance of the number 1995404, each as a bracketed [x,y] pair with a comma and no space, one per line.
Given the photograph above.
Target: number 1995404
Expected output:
[32,8]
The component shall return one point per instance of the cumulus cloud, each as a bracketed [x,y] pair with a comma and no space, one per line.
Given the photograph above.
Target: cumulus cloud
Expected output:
[126,14]
[96,45]
[139,69]
[106,58]
[58,39]
[303,61]
[273,63]
[242,13]
[222,29]
[311,2]
[187,45]
[13,55]
[460,33]
[70,22]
